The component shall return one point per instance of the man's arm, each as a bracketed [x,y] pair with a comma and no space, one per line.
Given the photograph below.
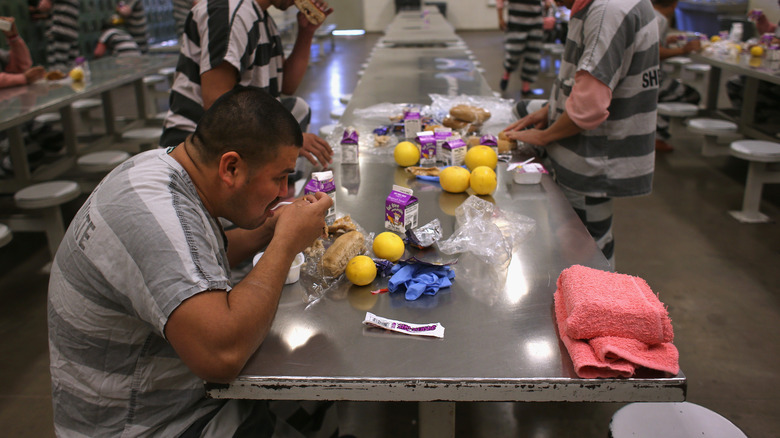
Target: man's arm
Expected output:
[215,332]
[296,64]
[216,82]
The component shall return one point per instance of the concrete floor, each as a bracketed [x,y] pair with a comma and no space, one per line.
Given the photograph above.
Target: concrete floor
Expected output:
[719,278]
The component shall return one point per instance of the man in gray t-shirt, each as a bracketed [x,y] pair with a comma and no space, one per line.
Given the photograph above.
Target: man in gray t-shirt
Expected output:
[141,306]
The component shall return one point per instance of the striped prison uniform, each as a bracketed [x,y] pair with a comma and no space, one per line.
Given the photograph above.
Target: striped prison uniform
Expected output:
[62,34]
[137,25]
[523,38]
[142,244]
[181,8]
[235,31]
[119,43]
[617,43]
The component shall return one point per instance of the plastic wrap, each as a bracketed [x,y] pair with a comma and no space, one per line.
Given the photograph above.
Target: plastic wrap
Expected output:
[315,283]
[487,232]
[500,110]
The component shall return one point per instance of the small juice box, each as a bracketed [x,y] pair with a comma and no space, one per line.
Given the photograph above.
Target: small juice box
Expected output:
[441,135]
[412,123]
[401,209]
[490,141]
[427,144]
[349,146]
[323,182]
[454,151]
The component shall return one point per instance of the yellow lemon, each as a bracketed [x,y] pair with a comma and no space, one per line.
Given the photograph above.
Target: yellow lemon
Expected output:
[481,156]
[483,180]
[757,51]
[715,38]
[77,74]
[388,246]
[406,154]
[361,270]
[454,179]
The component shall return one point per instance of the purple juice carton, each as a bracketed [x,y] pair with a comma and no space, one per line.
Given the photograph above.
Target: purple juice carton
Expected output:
[323,182]
[454,151]
[427,143]
[490,141]
[441,135]
[349,146]
[401,209]
[412,122]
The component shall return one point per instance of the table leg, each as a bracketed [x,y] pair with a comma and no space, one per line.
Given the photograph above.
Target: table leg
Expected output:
[437,419]
[713,86]
[749,99]
[19,155]
[140,99]
[108,113]
[69,130]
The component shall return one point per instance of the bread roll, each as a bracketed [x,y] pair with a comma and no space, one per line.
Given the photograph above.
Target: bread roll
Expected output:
[313,13]
[335,259]
[468,113]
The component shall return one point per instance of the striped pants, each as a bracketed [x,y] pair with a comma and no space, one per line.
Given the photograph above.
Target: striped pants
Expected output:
[523,39]
[61,53]
[596,214]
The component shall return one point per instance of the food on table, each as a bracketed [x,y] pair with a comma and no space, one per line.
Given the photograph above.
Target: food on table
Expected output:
[469,113]
[423,171]
[77,74]
[388,246]
[341,226]
[472,140]
[313,10]
[481,156]
[757,51]
[361,270]
[315,249]
[715,38]
[431,127]
[346,246]
[483,180]
[55,75]
[454,179]
[381,140]
[504,143]
[406,154]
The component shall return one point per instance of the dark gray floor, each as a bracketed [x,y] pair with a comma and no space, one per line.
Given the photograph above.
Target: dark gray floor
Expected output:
[719,278]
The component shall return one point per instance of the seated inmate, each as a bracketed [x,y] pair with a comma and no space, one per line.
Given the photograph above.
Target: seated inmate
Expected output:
[141,306]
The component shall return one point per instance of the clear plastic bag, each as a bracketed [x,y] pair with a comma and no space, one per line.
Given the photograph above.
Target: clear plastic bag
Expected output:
[315,283]
[485,231]
[500,109]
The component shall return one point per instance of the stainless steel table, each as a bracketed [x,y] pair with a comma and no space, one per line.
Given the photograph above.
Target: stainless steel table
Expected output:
[21,104]
[418,28]
[500,342]
[761,70]
[409,75]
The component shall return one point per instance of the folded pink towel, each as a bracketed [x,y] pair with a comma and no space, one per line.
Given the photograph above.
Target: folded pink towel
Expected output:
[612,356]
[600,303]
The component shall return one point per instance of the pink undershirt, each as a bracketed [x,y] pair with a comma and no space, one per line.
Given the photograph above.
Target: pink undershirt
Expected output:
[588,102]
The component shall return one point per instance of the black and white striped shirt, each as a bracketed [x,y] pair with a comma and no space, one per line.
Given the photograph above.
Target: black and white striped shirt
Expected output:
[119,43]
[137,24]
[235,31]
[617,43]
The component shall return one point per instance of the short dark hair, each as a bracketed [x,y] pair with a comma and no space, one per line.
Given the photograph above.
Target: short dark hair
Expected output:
[664,3]
[246,120]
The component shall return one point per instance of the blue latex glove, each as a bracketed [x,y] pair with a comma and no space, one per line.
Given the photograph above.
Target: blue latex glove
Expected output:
[418,279]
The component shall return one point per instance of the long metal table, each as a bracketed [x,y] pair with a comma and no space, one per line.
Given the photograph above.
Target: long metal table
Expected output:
[22,104]
[424,27]
[761,70]
[500,342]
